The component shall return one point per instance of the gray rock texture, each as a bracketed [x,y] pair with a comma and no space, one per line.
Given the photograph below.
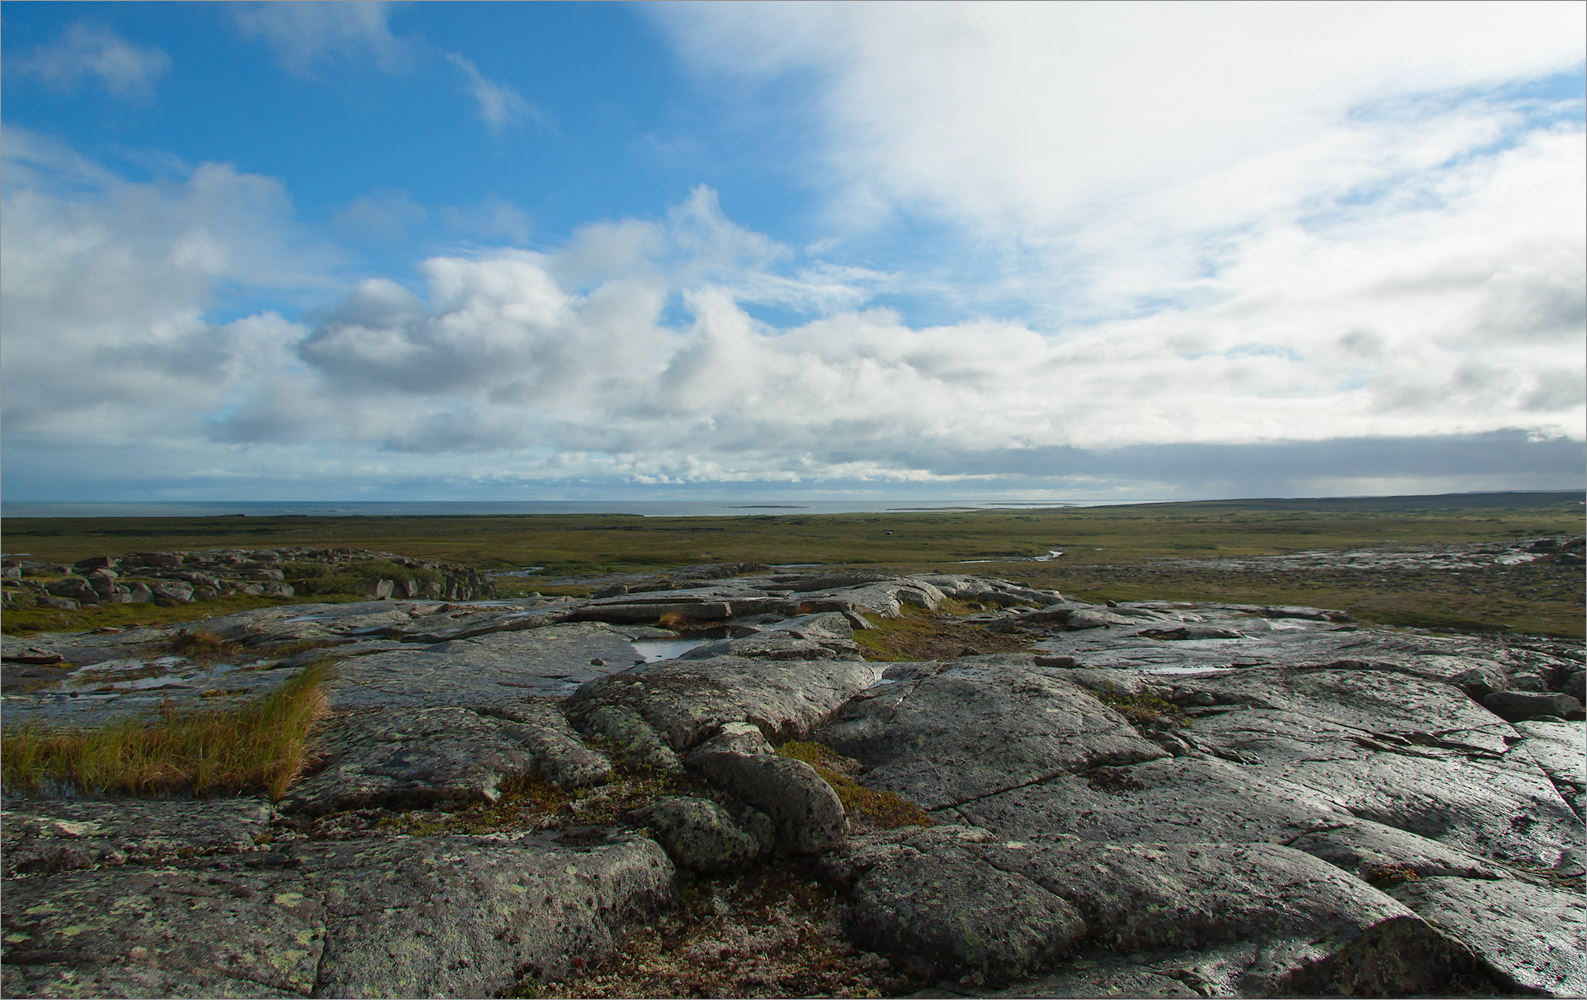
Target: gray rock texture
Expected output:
[1156,800]
[1529,937]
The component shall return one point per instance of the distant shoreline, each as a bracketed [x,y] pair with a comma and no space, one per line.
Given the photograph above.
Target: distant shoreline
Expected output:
[665,508]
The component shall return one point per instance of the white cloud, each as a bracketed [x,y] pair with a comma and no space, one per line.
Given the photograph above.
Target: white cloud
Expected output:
[305,36]
[88,52]
[110,287]
[500,106]
[1098,155]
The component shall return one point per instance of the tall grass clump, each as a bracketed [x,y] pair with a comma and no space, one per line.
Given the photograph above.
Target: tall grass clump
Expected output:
[260,746]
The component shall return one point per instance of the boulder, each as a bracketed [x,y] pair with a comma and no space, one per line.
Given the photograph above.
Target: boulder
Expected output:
[702,835]
[805,812]
[170,592]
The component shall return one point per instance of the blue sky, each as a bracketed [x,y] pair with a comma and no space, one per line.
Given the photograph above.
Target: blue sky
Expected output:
[545,251]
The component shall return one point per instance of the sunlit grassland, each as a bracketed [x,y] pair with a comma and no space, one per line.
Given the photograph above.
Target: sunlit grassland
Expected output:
[259,747]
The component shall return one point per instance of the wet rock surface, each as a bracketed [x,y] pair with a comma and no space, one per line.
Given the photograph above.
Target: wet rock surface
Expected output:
[1154,800]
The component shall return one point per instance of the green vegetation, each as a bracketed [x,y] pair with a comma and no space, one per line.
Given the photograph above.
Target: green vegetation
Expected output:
[1141,708]
[1108,552]
[887,810]
[259,747]
[27,620]
[318,580]
[920,634]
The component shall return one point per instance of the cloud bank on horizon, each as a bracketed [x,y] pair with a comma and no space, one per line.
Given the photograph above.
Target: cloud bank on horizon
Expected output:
[1153,250]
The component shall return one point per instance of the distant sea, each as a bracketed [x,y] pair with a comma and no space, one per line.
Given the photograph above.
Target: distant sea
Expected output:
[647,508]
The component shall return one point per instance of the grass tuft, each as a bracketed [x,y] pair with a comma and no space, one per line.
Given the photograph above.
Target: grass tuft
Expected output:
[260,746]
[1141,709]
[887,810]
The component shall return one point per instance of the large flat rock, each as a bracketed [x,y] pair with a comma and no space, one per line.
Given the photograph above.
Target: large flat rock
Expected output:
[469,916]
[412,758]
[195,925]
[688,701]
[946,734]
[485,670]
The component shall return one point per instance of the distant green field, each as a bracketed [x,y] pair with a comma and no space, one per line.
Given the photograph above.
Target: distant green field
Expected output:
[1108,551]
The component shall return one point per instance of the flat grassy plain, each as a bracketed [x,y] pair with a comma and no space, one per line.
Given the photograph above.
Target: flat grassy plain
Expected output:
[1108,552]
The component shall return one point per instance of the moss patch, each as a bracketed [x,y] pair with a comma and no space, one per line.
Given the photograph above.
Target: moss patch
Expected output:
[1141,709]
[919,634]
[871,807]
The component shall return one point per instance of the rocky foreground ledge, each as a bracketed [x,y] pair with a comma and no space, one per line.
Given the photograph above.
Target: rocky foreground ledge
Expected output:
[1153,800]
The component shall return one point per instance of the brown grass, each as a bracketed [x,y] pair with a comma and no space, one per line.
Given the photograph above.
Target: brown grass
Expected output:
[258,747]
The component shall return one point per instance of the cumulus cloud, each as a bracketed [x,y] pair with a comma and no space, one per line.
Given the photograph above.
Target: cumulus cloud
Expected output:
[1100,156]
[111,287]
[93,53]
[1229,267]
[574,352]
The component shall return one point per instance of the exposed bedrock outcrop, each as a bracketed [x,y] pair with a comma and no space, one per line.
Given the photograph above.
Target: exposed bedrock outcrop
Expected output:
[1155,800]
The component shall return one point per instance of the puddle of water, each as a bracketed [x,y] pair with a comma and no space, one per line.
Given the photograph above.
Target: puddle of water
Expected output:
[1517,558]
[655,650]
[525,571]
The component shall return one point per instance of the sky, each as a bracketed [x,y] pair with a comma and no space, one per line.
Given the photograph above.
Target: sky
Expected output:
[562,252]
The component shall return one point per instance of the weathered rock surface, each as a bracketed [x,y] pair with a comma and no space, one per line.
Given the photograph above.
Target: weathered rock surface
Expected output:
[703,835]
[686,702]
[924,734]
[468,916]
[441,758]
[215,922]
[805,812]
[47,836]
[1159,800]
[1528,937]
